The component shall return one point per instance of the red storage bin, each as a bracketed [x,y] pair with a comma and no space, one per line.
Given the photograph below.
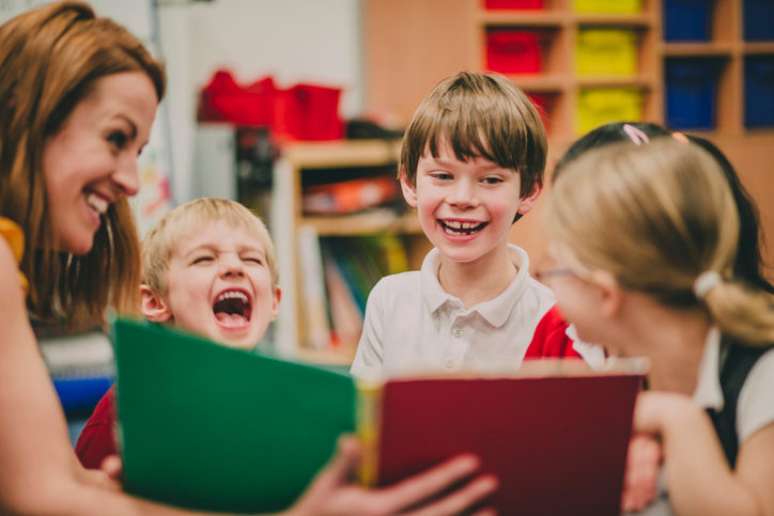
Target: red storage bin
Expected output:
[302,112]
[513,4]
[543,102]
[511,51]
[309,112]
[225,100]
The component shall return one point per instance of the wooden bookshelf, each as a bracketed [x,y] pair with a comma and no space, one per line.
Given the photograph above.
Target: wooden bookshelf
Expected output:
[297,161]
[411,45]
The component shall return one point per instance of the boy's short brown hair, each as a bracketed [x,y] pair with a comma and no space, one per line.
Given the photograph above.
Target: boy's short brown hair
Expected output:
[159,243]
[479,115]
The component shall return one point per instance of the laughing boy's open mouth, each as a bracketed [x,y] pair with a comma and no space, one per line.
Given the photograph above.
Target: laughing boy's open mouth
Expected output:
[232,308]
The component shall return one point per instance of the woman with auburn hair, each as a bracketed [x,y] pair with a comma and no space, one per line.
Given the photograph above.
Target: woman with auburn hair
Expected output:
[659,282]
[80,94]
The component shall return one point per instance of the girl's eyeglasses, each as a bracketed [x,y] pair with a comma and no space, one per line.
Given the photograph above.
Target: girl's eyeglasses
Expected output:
[544,274]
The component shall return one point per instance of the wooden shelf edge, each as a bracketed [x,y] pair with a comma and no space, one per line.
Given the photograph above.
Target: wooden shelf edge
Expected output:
[763,47]
[364,224]
[539,82]
[642,20]
[342,153]
[342,357]
[614,81]
[536,18]
[697,49]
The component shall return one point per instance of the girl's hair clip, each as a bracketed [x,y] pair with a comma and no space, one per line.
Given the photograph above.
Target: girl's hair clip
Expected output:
[636,135]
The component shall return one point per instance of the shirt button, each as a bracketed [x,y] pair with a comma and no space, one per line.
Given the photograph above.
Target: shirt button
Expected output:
[457,332]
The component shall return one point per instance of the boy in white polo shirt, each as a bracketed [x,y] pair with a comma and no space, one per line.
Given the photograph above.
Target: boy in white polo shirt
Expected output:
[471,163]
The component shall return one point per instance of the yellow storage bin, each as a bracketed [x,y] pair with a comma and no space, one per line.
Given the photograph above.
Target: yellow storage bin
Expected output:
[605,52]
[598,106]
[608,6]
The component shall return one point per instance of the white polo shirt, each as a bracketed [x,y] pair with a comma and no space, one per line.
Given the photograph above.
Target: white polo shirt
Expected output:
[413,325]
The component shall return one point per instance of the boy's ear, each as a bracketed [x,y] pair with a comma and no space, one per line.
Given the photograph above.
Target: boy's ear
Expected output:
[275,303]
[153,306]
[409,190]
[529,201]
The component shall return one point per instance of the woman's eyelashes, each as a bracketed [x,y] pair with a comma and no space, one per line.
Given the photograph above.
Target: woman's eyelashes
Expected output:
[118,140]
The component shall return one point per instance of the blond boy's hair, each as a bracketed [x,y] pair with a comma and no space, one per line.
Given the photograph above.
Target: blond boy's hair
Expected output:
[160,241]
[657,217]
[478,115]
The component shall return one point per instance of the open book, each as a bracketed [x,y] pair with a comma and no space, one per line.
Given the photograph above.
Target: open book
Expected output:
[209,427]
[554,433]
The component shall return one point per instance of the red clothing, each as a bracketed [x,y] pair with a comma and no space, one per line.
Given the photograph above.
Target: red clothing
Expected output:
[97,440]
[550,339]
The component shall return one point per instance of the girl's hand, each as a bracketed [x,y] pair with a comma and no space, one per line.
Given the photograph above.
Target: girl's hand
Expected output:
[655,410]
[643,463]
[332,493]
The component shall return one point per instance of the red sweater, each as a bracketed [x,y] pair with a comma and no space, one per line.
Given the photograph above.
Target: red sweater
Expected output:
[550,339]
[97,439]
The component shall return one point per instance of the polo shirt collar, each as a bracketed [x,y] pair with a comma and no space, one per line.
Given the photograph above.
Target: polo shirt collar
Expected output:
[708,393]
[495,311]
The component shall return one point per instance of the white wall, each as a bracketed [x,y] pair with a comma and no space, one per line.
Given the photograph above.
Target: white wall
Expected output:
[294,40]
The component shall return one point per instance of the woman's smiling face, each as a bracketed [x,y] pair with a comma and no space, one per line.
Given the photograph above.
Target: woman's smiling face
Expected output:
[91,162]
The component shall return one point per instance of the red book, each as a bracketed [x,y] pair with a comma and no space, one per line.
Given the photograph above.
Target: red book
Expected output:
[555,436]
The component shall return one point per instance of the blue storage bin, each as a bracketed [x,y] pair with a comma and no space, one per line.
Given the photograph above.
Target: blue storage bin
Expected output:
[688,20]
[691,92]
[759,20]
[759,91]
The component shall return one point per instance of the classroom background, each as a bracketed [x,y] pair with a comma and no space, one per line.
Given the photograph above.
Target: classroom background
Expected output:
[295,108]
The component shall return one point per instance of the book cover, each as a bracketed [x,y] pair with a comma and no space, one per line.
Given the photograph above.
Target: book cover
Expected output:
[209,427]
[556,436]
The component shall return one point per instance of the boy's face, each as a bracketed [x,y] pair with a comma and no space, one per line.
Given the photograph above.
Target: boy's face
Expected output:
[218,285]
[465,208]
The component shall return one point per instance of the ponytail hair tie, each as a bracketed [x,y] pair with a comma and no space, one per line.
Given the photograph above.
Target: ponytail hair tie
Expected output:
[705,282]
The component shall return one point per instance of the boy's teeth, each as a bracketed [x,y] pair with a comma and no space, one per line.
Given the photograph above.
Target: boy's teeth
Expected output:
[232,294]
[97,203]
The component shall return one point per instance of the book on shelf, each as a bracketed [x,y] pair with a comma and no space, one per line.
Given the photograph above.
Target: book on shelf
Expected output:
[350,196]
[318,329]
[210,427]
[337,276]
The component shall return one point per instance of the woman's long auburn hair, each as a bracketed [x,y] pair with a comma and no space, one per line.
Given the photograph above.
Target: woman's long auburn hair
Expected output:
[50,60]
[657,217]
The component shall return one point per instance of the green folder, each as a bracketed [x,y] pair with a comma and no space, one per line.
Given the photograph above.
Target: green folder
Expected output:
[209,427]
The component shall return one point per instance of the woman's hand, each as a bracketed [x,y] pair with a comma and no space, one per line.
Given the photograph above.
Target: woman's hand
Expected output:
[333,493]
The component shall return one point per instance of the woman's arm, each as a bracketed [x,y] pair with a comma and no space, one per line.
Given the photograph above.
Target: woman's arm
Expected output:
[40,475]
[699,478]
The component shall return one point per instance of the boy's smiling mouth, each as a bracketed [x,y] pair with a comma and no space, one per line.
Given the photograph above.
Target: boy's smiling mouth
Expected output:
[457,227]
[233,308]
